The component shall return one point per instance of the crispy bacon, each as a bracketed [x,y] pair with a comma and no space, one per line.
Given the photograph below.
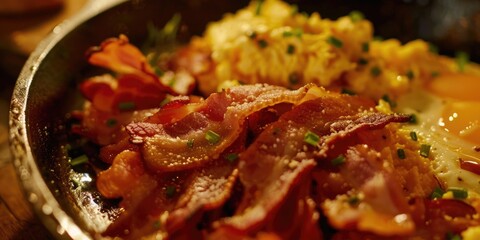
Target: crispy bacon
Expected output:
[137,84]
[167,149]
[382,197]
[272,165]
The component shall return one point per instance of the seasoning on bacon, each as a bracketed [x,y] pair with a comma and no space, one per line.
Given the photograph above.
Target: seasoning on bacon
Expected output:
[224,113]
[272,166]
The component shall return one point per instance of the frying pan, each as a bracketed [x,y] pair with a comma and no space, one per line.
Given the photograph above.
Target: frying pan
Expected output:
[47,88]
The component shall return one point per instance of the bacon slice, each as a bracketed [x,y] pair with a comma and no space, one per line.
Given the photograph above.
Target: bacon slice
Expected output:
[136,85]
[272,165]
[167,149]
[382,200]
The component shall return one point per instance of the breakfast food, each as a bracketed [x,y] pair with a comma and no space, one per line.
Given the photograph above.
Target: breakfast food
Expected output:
[279,125]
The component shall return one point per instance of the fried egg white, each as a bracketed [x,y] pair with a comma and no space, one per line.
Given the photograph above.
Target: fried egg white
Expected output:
[448,119]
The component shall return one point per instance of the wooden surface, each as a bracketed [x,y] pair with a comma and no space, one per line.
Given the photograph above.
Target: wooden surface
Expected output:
[19,35]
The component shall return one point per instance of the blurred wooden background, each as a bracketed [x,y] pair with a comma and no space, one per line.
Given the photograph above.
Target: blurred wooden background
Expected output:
[20,31]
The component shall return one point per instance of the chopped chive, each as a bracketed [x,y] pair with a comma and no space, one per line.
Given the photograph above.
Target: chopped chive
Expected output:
[297,32]
[293,78]
[287,34]
[338,160]
[348,92]
[156,224]
[190,143]
[362,61]
[387,99]
[432,48]
[335,42]
[126,106]
[252,35]
[276,131]
[231,157]
[158,71]
[425,150]
[452,236]
[311,138]
[377,38]
[437,193]
[294,9]
[413,136]
[290,49]
[258,9]
[212,137]
[170,191]
[365,47]
[262,43]
[462,59]
[353,200]
[172,82]
[435,74]
[375,71]
[164,101]
[413,119]
[458,193]
[410,75]
[356,16]
[79,160]
[401,153]
[111,122]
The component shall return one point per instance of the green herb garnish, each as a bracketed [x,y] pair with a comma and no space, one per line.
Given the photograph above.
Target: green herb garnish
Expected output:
[258,9]
[126,106]
[212,137]
[413,119]
[311,138]
[353,200]
[190,143]
[79,160]
[356,16]
[164,101]
[338,160]
[290,49]
[387,99]
[410,75]
[413,136]
[170,191]
[231,157]
[111,122]
[365,47]
[437,193]
[335,42]
[362,61]
[425,150]
[432,48]
[462,59]
[458,193]
[375,71]
[401,153]
[348,92]
[293,78]
[262,43]
[156,224]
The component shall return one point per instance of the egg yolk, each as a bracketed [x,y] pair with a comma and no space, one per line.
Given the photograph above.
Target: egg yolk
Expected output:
[462,119]
[461,113]
[458,86]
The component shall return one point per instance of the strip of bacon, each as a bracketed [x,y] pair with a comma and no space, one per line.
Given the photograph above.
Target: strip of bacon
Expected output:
[272,165]
[382,197]
[137,86]
[168,148]
[167,202]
